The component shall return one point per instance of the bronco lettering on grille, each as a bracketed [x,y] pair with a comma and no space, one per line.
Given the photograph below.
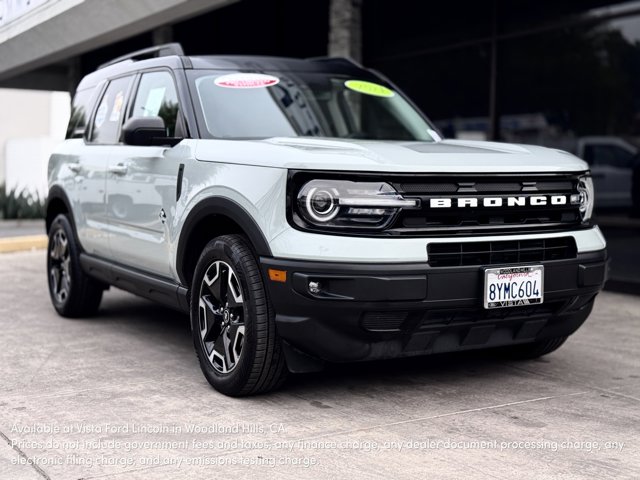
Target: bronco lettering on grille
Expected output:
[473,202]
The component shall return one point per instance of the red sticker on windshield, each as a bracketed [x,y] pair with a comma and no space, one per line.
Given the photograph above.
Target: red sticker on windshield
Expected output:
[246,80]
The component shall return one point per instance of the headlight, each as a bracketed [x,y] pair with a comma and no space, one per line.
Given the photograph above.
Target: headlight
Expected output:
[586,197]
[347,204]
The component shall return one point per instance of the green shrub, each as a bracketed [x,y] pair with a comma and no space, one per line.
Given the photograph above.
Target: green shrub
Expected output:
[20,205]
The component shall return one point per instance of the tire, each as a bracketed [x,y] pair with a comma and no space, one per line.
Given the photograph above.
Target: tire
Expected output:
[232,321]
[533,350]
[72,292]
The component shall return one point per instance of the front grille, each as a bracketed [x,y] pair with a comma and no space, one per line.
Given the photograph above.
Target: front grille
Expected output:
[384,321]
[458,254]
[463,316]
[471,219]
[446,319]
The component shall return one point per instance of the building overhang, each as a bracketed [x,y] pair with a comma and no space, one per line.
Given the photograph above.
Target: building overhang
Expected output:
[56,30]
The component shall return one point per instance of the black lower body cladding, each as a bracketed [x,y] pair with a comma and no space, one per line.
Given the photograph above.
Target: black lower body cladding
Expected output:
[341,312]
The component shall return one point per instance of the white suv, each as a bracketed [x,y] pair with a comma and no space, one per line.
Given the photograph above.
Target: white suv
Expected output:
[305,211]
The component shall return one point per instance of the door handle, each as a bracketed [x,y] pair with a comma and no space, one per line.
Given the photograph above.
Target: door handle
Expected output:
[74,167]
[119,169]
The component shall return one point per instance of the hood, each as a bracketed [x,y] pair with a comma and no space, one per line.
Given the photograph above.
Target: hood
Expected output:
[446,156]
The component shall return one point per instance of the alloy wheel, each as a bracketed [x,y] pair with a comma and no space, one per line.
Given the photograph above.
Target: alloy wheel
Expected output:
[59,270]
[221,316]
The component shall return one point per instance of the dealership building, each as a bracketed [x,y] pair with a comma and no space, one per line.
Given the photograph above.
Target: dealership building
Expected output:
[561,74]
[491,68]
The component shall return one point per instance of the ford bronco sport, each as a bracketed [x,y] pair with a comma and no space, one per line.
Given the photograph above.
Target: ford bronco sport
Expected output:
[305,211]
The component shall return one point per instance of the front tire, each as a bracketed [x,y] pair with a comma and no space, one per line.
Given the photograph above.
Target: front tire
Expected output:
[72,292]
[232,322]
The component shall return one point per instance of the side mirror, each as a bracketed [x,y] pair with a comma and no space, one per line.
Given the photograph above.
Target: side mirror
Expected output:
[146,131]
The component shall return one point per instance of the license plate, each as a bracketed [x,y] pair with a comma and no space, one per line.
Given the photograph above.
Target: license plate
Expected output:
[513,286]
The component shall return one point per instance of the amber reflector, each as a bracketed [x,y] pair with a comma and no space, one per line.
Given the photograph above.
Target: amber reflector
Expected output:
[277,275]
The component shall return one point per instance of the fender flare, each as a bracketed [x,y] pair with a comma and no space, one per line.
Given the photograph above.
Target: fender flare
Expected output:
[56,192]
[228,208]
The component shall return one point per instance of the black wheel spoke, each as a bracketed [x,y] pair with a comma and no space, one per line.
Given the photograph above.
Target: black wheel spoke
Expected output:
[214,288]
[223,284]
[234,296]
[65,283]
[226,341]
[235,334]
[55,273]
[212,321]
[219,354]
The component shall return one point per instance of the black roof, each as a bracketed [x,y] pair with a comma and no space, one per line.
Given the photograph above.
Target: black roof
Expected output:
[244,63]
[280,64]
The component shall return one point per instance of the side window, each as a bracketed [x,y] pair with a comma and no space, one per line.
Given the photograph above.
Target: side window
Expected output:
[80,110]
[157,97]
[108,117]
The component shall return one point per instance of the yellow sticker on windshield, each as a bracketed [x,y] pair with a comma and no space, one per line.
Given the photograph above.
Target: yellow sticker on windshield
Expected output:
[369,88]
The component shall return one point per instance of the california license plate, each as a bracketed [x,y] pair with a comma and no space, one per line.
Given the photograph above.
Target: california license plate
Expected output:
[513,286]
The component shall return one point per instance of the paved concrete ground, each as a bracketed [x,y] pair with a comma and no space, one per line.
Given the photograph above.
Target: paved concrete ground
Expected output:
[75,393]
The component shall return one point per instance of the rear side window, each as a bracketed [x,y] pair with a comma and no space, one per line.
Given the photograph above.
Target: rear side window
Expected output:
[157,97]
[80,111]
[108,116]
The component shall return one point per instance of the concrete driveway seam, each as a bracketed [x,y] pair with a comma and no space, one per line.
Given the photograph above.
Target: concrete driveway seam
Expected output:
[17,449]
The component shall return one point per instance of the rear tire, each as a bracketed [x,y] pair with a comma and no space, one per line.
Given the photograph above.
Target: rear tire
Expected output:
[73,293]
[533,350]
[232,321]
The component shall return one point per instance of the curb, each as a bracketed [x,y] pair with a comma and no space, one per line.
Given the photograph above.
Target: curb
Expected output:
[20,244]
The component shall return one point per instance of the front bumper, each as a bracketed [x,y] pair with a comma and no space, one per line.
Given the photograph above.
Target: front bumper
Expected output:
[373,311]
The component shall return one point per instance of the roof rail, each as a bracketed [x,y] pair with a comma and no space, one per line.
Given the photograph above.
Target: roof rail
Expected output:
[151,52]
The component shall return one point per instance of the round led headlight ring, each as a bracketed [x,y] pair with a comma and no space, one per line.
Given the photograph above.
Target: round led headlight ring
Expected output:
[585,190]
[584,197]
[322,204]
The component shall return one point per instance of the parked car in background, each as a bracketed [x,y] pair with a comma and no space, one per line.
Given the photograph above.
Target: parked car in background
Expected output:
[614,164]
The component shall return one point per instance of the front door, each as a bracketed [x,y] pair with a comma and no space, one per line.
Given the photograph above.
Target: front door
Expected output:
[141,183]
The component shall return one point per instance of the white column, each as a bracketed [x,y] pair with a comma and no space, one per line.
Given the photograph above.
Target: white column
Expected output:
[345,29]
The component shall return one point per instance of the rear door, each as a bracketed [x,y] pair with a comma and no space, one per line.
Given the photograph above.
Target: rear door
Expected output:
[141,184]
[91,169]
[77,156]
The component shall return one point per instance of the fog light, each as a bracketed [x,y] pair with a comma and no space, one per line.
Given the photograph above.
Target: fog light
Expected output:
[314,287]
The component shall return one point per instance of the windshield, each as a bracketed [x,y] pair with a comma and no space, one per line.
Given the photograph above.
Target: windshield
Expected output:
[251,105]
